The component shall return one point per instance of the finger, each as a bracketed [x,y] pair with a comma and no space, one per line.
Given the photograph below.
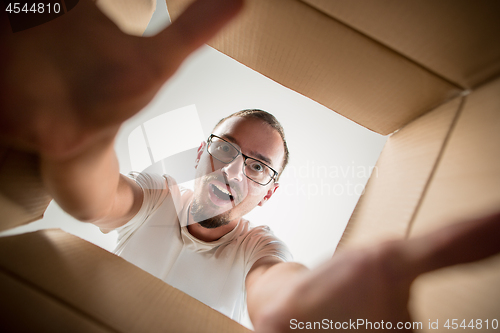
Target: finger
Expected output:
[456,244]
[195,26]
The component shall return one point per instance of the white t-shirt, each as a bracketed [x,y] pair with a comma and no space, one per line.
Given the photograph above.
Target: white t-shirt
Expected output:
[158,241]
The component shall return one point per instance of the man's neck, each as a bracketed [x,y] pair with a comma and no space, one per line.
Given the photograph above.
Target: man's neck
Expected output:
[209,235]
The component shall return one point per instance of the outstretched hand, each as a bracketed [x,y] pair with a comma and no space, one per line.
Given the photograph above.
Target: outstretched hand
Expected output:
[373,284]
[66,83]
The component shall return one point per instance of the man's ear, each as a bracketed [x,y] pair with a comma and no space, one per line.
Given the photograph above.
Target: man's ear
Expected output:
[201,148]
[269,194]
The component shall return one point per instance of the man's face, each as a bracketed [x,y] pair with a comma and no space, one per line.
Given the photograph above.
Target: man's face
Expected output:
[212,206]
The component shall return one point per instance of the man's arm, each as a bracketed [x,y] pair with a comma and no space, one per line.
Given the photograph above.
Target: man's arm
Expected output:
[269,279]
[89,187]
[372,283]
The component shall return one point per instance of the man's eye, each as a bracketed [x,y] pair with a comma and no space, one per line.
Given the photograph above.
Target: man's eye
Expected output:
[257,167]
[224,148]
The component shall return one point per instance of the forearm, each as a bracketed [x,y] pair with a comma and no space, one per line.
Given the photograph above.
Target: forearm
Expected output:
[84,184]
[271,288]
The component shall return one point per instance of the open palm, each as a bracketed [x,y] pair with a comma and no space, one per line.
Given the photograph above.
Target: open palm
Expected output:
[69,81]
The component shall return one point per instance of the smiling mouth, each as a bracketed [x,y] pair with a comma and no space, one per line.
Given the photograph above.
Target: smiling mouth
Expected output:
[222,193]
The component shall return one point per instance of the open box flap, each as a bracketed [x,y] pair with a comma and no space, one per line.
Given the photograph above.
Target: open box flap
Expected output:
[466,184]
[457,40]
[400,178]
[306,50]
[23,197]
[85,283]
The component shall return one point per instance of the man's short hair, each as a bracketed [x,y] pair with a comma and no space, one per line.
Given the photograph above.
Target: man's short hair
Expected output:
[268,119]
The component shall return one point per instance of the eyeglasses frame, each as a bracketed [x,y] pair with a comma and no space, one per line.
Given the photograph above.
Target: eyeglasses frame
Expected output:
[273,177]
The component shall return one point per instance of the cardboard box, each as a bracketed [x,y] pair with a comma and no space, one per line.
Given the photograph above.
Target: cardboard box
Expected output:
[426,72]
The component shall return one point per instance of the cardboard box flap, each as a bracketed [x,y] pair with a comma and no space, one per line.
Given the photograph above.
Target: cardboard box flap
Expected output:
[25,309]
[402,174]
[98,287]
[329,62]
[131,16]
[466,184]
[458,40]
[23,197]
[467,181]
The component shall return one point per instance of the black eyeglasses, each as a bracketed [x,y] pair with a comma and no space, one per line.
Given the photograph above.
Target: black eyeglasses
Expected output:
[253,169]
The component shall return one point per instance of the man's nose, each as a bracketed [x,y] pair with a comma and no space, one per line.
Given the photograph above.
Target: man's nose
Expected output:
[234,170]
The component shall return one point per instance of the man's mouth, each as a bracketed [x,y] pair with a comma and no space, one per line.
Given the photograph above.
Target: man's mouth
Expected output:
[220,194]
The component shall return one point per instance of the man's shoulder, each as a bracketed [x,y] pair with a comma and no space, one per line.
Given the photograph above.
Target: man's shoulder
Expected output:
[155,188]
[257,228]
[250,230]
[156,181]
[260,240]
[150,181]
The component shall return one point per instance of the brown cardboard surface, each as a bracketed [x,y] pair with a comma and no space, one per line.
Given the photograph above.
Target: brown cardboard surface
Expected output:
[84,283]
[401,175]
[131,16]
[13,215]
[25,309]
[466,184]
[317,56]
[457,40]
[22,195]
[467,181]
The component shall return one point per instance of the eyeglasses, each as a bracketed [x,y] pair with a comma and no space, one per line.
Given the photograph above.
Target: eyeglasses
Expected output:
[253,169]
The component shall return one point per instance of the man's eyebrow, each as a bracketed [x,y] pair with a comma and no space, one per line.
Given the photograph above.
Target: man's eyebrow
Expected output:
[253,154]
[230,138]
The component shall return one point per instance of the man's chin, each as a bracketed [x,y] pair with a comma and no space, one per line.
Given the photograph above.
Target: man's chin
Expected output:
[208,218]
[214,222]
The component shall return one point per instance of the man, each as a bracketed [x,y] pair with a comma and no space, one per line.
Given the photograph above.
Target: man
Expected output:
[64,105]
[198,242]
